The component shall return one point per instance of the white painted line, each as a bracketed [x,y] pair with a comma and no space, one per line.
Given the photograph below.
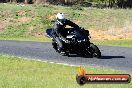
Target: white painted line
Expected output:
[71,65]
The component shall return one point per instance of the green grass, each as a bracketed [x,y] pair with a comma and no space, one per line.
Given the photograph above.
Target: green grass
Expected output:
[124,43]
[29,39]
[38,15]
[20,73]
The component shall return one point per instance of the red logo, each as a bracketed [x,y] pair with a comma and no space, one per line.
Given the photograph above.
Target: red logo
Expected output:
[83,78]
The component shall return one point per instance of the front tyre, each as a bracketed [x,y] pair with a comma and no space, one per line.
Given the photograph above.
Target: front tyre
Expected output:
[58,49]
[95,51]
[55,46]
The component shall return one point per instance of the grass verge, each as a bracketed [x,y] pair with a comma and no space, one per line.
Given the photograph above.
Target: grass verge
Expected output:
[20,73]
[26,21]
[123,43]
[44,39]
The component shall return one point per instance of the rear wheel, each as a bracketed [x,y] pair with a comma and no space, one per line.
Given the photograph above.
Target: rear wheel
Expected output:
[95,51]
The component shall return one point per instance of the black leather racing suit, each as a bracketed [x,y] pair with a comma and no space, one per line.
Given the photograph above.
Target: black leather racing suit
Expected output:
[59,30]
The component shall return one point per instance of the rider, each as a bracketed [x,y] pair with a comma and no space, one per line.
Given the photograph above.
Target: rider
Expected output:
[59,28]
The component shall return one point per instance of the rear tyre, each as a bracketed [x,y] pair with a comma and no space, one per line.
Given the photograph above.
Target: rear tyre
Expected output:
[95,51]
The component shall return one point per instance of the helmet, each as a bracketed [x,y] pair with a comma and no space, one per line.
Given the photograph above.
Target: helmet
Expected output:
[60,16]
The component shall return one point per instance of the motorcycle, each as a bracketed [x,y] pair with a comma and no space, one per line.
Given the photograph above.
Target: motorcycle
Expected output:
[77,41]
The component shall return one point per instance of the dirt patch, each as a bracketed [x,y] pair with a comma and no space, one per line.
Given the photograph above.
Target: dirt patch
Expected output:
[1,31]
[110,35]
[30,28]
[22,20]
[37,34]
[51,17]
[21,13]
[76,21]
[2,28]
[5,22]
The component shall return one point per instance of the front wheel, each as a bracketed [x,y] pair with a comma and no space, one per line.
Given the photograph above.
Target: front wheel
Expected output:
[58,49]
[95,51]
[55,46]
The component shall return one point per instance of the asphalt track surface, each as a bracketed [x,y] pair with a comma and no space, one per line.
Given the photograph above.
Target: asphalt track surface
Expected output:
[112,57]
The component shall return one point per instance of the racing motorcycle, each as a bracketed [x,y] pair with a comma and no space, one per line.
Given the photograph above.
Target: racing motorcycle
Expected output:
[77,41]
